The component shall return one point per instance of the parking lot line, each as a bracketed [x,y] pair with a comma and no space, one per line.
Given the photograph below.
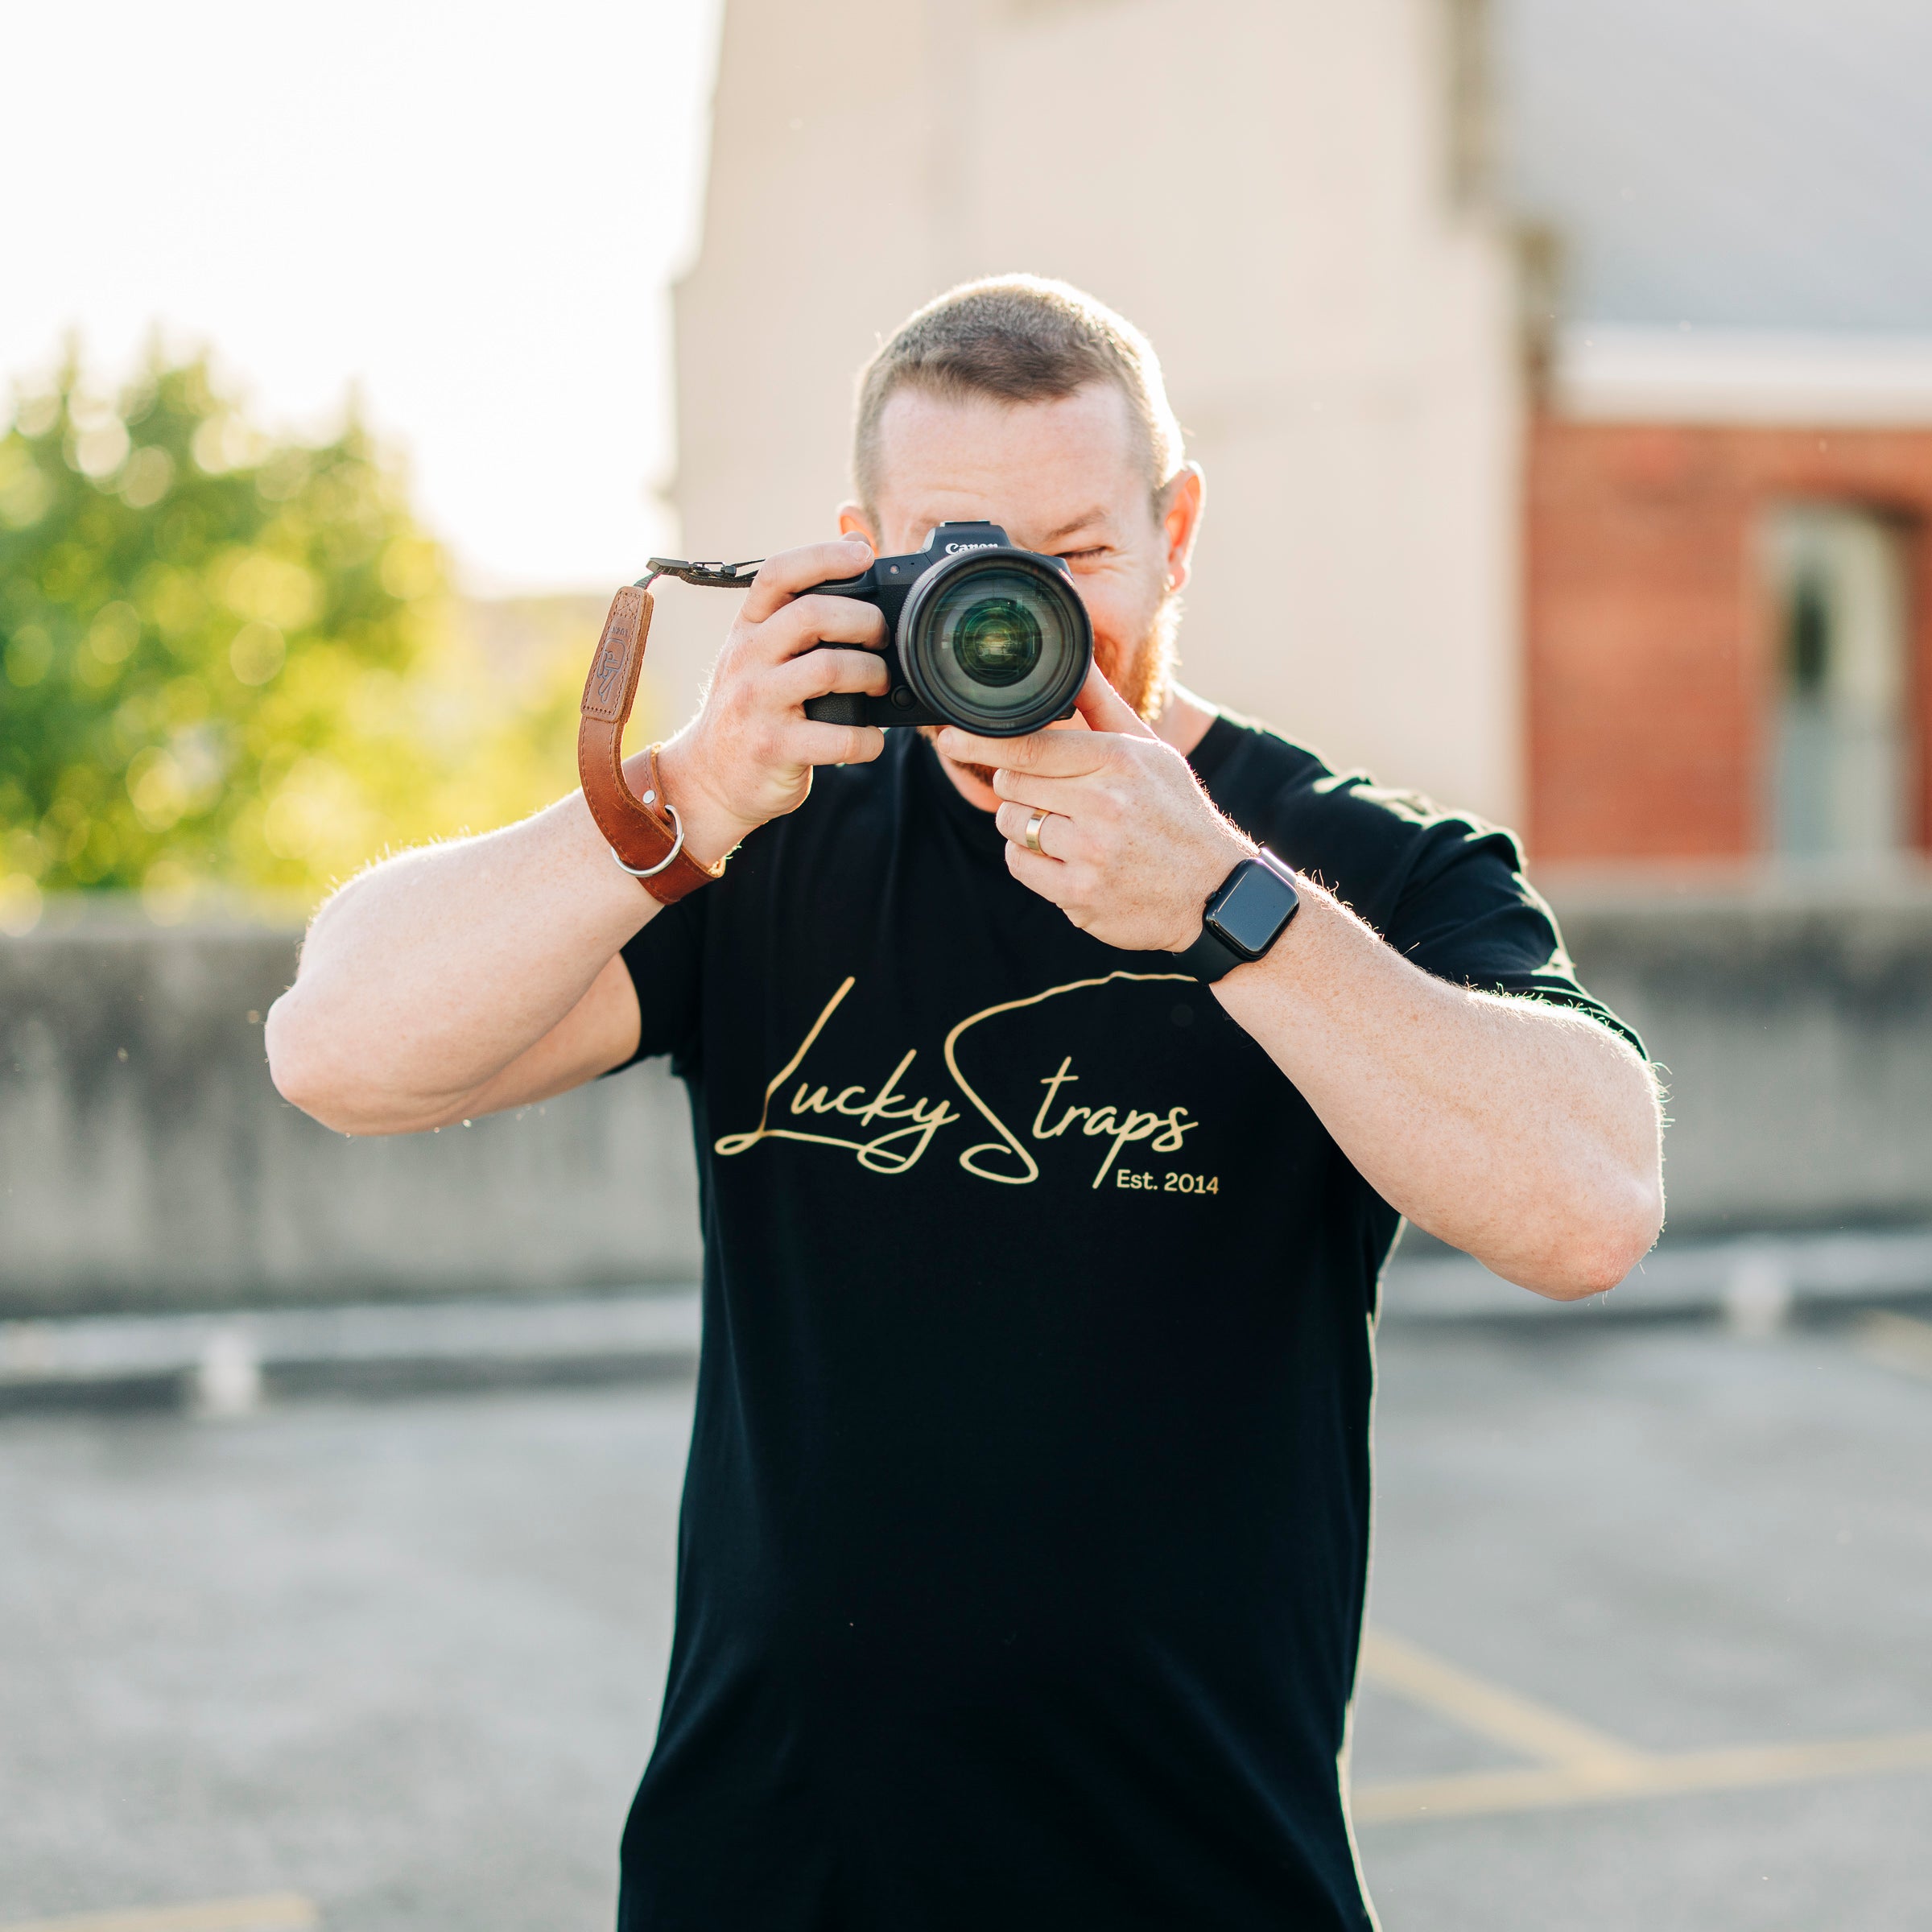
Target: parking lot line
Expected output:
[1517,1723]
[1897,1341]
[1576,1764]
[266,1912]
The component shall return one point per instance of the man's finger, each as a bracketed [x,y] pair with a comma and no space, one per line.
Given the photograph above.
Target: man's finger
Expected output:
[1012,820]
[782,577]
[1046,877]
[816,674]
[1105,709]
[812,743]
[1059,754]
[808,621]
[1037,789]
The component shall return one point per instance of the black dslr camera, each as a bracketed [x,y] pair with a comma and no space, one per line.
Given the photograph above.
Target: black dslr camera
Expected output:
[978,634]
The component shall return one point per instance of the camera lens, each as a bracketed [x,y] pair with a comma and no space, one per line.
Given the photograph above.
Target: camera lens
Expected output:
[996,641]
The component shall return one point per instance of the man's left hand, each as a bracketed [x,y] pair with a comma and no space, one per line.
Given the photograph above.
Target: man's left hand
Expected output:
[1134,847]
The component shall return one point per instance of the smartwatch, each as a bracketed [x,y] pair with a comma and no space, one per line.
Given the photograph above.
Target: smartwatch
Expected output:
[1244,915]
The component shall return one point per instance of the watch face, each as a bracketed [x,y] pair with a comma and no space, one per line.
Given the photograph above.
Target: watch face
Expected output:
[1253,909]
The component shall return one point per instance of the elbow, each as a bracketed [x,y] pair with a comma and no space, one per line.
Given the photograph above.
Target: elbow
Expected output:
[310,1073]
[1598,1253]
[298,1064]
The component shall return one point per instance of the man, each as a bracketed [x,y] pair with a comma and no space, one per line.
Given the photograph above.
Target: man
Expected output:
[1025,1528]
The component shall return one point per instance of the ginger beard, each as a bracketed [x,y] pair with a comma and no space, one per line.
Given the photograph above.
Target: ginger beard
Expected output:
[1140,673]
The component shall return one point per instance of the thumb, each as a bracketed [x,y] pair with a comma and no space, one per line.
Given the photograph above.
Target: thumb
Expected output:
[1105,709]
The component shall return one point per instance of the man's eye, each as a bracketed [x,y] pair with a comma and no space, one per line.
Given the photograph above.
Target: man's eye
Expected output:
[1083,556]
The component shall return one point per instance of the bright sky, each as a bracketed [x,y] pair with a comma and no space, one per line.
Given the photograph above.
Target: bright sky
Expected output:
[472,214]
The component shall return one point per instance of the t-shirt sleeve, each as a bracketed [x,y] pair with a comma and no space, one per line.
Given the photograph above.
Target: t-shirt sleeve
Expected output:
[665,963]
[1464,911]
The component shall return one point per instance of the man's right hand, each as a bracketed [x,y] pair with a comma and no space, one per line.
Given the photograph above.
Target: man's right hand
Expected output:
[748,755]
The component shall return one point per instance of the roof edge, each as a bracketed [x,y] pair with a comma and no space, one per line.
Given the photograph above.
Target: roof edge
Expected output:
[1624,373]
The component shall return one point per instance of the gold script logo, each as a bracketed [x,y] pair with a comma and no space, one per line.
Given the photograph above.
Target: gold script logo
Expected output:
[908,1124]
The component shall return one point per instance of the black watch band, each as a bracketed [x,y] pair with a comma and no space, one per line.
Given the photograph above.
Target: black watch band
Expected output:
[1244,915]
[1209,959]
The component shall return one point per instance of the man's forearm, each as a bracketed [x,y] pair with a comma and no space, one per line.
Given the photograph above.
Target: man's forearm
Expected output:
[1525,1134]
[426,977]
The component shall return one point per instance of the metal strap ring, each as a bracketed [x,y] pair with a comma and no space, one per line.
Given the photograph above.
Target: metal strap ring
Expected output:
[664,864]
[1033,825]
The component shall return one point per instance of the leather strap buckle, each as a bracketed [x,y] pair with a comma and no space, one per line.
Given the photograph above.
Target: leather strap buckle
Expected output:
[663,864]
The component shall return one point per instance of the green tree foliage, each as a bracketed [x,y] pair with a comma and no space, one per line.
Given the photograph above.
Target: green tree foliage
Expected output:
[230,661]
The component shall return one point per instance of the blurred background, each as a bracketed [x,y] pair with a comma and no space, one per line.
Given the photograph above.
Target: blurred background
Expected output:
[1563,376]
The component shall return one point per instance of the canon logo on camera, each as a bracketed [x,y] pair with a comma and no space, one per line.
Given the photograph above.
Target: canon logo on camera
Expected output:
[952,548]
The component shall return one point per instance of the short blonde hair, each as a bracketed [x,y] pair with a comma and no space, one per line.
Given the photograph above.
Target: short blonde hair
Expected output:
[1021,339]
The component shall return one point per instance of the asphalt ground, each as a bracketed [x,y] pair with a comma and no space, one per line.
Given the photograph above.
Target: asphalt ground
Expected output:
[1649,1616]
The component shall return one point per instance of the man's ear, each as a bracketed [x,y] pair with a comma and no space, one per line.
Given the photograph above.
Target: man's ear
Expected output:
[1181,522]
[853,521]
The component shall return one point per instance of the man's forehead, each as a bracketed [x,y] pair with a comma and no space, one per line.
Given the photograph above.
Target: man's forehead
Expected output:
[1040,467]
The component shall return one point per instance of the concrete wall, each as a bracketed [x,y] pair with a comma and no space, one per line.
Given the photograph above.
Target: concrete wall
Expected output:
[145,1160]
[1270,188]
[1795,1025]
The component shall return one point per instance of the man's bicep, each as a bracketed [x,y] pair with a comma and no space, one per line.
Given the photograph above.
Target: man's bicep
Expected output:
[1568,1006]
[645,1001]
[1469,916]
[598,1032]
[665,962]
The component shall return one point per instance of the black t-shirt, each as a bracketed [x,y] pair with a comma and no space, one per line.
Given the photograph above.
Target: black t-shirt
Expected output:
[1026,1529]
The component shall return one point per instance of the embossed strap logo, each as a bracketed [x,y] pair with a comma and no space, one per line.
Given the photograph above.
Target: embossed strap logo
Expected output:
[607,691]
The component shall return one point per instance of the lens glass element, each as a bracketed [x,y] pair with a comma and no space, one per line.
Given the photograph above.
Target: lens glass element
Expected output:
[996,641]
[996,645]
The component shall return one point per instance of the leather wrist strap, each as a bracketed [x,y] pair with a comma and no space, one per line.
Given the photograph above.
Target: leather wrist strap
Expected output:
[645,836]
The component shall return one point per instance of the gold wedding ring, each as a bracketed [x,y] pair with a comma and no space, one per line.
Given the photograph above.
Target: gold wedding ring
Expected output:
[1032,840]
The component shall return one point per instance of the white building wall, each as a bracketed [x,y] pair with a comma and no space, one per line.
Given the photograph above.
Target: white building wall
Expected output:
[1263,185]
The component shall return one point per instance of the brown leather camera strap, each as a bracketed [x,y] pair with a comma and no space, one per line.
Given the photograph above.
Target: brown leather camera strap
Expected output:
[644,834]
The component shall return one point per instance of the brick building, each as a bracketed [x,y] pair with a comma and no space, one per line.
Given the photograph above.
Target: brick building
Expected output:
[1729,631]
[1727,485]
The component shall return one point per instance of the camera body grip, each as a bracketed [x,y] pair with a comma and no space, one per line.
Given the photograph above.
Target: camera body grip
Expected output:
[901,705]
[843,707]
